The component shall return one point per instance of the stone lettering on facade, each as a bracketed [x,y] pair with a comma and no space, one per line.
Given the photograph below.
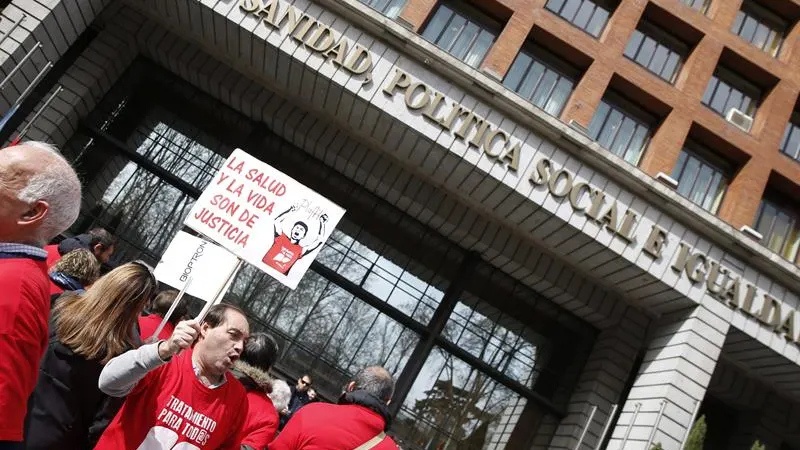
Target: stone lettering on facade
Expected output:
[465,124]
[720,282]
[314,35]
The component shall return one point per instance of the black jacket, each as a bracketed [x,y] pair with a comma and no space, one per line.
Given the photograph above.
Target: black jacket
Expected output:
[67,410]
[297,401]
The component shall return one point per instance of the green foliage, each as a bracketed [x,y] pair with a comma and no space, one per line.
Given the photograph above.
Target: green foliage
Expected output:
[697,436]
[757,445]
[657,446]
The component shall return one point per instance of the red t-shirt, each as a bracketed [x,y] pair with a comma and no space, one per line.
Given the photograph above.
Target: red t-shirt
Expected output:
[171,409]
[324,426]
[24,312]
[283,254]
[261,423]
[52,254]
[148,325]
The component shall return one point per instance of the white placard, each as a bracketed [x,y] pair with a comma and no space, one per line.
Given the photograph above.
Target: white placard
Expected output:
[265,217]
[208,265]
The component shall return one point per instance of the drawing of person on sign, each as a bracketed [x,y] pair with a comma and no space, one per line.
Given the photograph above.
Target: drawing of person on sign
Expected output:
[287,249]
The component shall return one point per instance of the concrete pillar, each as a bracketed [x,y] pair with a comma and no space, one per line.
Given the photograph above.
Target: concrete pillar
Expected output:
[602,382]
[676,372]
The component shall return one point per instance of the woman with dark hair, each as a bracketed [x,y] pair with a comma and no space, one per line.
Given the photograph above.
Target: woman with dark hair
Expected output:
[86,331]
[252,370]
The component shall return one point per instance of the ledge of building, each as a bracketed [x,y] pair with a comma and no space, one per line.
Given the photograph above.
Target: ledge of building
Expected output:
[581,146]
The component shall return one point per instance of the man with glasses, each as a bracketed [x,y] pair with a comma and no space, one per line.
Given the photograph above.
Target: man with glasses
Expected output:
[299,398]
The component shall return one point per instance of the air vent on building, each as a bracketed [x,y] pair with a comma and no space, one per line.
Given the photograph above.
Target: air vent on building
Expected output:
[667,180]
[740,119]
[751,233]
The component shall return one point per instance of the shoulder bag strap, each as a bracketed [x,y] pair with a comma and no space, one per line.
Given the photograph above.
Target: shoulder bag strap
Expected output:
[377,439]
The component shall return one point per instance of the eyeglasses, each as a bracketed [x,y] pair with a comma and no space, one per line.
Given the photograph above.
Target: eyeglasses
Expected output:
[305,383]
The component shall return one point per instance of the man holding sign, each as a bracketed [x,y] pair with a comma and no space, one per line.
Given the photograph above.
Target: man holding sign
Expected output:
[178,396]
[286,250]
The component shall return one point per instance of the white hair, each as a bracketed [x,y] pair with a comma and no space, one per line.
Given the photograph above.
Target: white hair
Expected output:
[56,183]
[281,394]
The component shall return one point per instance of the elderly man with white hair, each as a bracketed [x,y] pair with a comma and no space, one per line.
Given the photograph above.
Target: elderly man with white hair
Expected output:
[40,196]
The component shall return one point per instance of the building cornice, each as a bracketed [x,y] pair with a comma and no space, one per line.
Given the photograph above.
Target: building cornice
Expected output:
[489,89]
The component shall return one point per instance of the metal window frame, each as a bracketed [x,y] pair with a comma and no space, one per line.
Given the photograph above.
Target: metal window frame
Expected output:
[706,156]
[792,128]
[371,4]
[780,205]
[551,63]
[703,6]
[617,101]
[764,16]
[663,38]
[470,14]
[608,6]
[746,88]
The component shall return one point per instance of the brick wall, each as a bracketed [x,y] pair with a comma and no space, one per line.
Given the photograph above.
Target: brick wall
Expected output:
[760,147]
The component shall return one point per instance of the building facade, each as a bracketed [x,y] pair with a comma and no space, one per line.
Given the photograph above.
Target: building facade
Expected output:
[571,224]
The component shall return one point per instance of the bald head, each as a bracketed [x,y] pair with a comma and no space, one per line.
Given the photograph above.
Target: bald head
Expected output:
[40,194]
[376,380]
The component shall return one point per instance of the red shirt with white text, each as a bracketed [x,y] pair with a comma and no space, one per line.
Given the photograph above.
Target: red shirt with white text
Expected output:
[283,254]
[171,409]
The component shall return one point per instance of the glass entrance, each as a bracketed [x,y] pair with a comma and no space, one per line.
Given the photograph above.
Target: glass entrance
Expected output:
[474,359]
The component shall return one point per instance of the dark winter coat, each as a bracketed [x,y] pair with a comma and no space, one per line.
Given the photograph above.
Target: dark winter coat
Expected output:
[261,424]
[67,410]
[297,401]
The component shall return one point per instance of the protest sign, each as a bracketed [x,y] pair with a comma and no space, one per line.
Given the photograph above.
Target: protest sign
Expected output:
[189,257]
[264,217]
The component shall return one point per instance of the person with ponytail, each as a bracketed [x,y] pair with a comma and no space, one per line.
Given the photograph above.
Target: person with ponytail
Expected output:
[86,331]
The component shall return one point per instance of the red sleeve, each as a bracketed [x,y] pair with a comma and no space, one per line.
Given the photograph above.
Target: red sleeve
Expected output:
[291,437]
[24,311]
[261,423]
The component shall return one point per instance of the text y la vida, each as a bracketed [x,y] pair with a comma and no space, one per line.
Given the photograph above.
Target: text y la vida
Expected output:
[229,216]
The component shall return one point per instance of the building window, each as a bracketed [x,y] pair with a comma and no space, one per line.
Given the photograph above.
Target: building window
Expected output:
[621,131]
[657,51]
[780,228]
[759,27]
[541,78]
[790,145]
[700,178]
[389,8]
[726,91]
[459,34]
[590,16]
[699,5]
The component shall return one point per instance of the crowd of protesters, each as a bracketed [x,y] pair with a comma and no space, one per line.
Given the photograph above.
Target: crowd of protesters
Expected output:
[84,365]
